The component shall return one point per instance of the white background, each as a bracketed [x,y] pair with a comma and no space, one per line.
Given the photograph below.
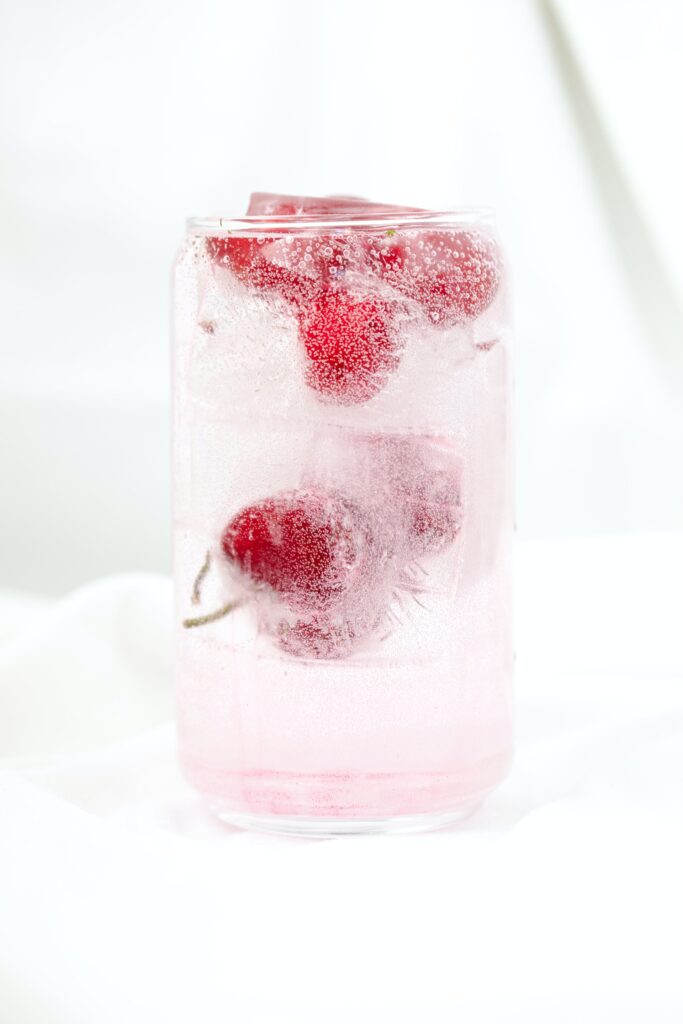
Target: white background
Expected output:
[121,900]
[121,119]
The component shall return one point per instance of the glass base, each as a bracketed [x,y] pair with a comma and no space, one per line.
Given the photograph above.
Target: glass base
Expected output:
[329,828]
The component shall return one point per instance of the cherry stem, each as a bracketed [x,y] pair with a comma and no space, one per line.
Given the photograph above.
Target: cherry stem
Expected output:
[202,620]
[199,579]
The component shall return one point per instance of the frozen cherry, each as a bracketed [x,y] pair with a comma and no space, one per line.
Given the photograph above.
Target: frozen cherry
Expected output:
[429,491]
[420,477]
[322,256]
[434,514]
[248,259]
[453,275]
[236,252]
[327,254]
[318,637]
[308,546]
[350,347]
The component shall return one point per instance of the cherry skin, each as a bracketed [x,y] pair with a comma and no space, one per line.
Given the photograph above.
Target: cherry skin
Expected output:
[318,637]
[420,476]
[248,259]
[453,275]
[327,254]
[308,546]
[434,513]
[237,253]
[350,347]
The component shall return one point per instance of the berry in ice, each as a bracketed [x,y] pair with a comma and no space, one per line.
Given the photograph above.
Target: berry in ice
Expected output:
[452,275]
[250,261]
[351,348]
[310,547]
[318,637]
[421,478]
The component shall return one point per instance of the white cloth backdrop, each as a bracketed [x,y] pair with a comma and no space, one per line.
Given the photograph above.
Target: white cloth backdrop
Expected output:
[120,899]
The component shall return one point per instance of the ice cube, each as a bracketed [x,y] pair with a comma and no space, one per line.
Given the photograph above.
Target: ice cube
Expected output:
[272,204]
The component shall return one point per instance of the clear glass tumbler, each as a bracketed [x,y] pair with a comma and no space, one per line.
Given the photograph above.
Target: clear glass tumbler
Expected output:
[343,515]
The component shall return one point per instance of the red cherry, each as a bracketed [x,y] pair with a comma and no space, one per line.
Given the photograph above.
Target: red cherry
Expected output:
[317,637]
[350,346]
[329,255]
[435,514]
[453,275]
[423,477]
[432,503]
[248,259]
[308,546]
[317,258]
[326,256]
[236,252]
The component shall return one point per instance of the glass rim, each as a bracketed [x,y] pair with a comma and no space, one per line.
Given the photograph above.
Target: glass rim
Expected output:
[302,222]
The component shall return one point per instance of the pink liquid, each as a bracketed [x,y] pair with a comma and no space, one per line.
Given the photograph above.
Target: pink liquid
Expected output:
[368,740]
[414,719]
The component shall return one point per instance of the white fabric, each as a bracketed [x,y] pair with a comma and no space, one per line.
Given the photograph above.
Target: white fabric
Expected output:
[122,900]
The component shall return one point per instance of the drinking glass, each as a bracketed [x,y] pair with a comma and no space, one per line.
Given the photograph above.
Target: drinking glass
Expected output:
[343,516]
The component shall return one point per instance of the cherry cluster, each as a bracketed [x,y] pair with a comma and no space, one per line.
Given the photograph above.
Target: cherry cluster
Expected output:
[325,566]
[347,287]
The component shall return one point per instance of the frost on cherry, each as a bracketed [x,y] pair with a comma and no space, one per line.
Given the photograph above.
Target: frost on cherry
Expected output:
[452,275]
[323,563]
[314,562]
[350,346]
[308,546]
